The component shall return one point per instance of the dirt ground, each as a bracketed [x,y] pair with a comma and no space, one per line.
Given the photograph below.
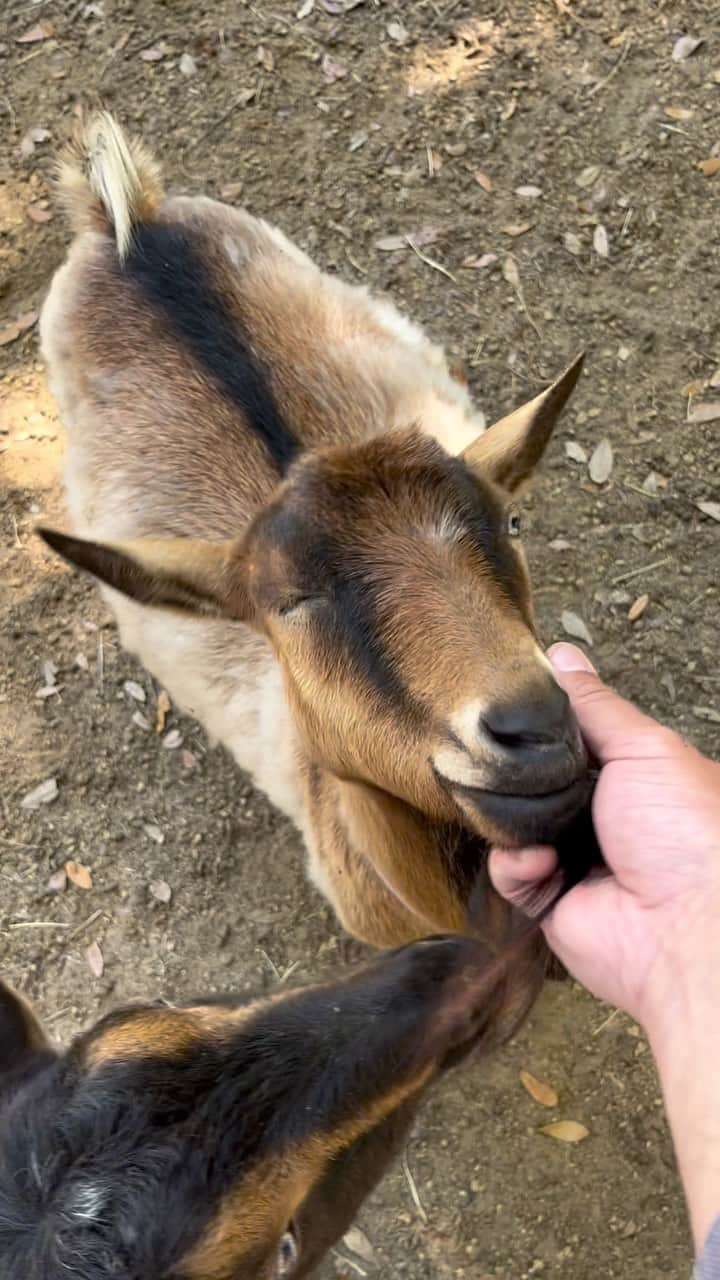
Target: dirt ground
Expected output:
[458,124]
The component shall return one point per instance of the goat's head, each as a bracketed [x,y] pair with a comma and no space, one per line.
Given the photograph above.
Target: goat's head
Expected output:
[223,1141]
[390,580]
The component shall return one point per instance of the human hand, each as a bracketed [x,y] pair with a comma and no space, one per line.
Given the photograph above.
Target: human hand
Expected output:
[646,935]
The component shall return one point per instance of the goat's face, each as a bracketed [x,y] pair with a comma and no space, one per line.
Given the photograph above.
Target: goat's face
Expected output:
[222,1141]
[390,580]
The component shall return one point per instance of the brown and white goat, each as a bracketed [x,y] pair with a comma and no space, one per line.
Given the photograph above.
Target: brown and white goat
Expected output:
[308,539]
[224,1141]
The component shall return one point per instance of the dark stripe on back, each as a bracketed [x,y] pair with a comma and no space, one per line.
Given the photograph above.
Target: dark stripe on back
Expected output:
[169,267]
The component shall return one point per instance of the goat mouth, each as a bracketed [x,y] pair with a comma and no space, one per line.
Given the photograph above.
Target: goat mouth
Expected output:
[524,817]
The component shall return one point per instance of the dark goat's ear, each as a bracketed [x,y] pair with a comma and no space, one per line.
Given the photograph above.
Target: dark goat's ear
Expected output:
[21,1035]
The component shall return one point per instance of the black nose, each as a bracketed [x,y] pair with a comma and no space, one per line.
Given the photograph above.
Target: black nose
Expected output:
[529,723]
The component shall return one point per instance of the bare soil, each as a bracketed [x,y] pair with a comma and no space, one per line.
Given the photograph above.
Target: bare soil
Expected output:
[345,129]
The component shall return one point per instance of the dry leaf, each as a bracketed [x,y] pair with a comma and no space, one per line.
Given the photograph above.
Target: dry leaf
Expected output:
[483,181]
[427,235]
[600,241]
[679,113]
[710,167]
[81,662]
[510,272]
[398,32]
[187,65]
[43,794]
[516,228]
[172,740]
[153,55]
[601,462]
[135,690]
[508,112]
[28,141]
[574,626]
[654,481]
[41,31]
[21,325]
[587,177]
[305,10]
[542,1093]
[58,881]
[575,451]
[711,509]
[188,759]
[358,1243]
[78,875]
[685,46]
[154,832]
[485,260]
[336,7]
[161,890]
[140,720]
[560,544]
[623,354]
[707,713]
[565,1131]
[638,607]
[266,58]
[163,707]
[332,69]
[38,215]
[572,243]
[94,957]
[231,190]
[704,412]
[528,193]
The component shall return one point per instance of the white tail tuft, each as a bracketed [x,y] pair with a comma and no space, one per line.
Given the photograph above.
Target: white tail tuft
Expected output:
[108,182]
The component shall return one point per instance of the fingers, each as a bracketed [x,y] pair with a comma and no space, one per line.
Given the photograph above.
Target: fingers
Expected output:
[529,878]
[607,722]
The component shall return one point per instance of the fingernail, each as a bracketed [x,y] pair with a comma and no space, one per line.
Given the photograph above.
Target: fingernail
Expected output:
[567,657]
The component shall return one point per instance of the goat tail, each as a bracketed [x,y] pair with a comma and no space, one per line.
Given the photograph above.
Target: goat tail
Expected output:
[108,181]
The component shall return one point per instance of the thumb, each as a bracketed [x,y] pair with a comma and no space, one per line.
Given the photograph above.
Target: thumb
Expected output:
[611,727]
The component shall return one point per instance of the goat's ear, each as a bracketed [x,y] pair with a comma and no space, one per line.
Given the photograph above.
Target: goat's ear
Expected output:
[510,449]
[21,1035]
[175,573]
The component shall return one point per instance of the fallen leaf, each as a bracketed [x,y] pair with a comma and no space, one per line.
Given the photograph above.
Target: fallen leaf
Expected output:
[483,181]
[508,111]
[710,167]
[161,890]
[154,54]
[332,69]
[41,31]
[565,1131]
[574,626]
[42,794]
[94,957]
[134,690]
[153,831]
[305,10]
[231,190]
[601,462]
[708,412]
[707,713]
[528,193]
[140,720]
[336,7]
[188,759]
[82,662]
[575,451]
[542,1093]
[428,235]
[600,241]
[588,176]
[265,58]
[654,481]
[358,140]
[623,354]
[516,228]
[172,740]
[572,243]
[21,325]
[28,141]
[711,509]
[58,881]
[485,260]
[685,47]
[560,544]
[78,875]
[679,113]
[638,607]
[510,272]
[398,32]
[38,215]
[163,707]
[187,65]
[358,1243]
